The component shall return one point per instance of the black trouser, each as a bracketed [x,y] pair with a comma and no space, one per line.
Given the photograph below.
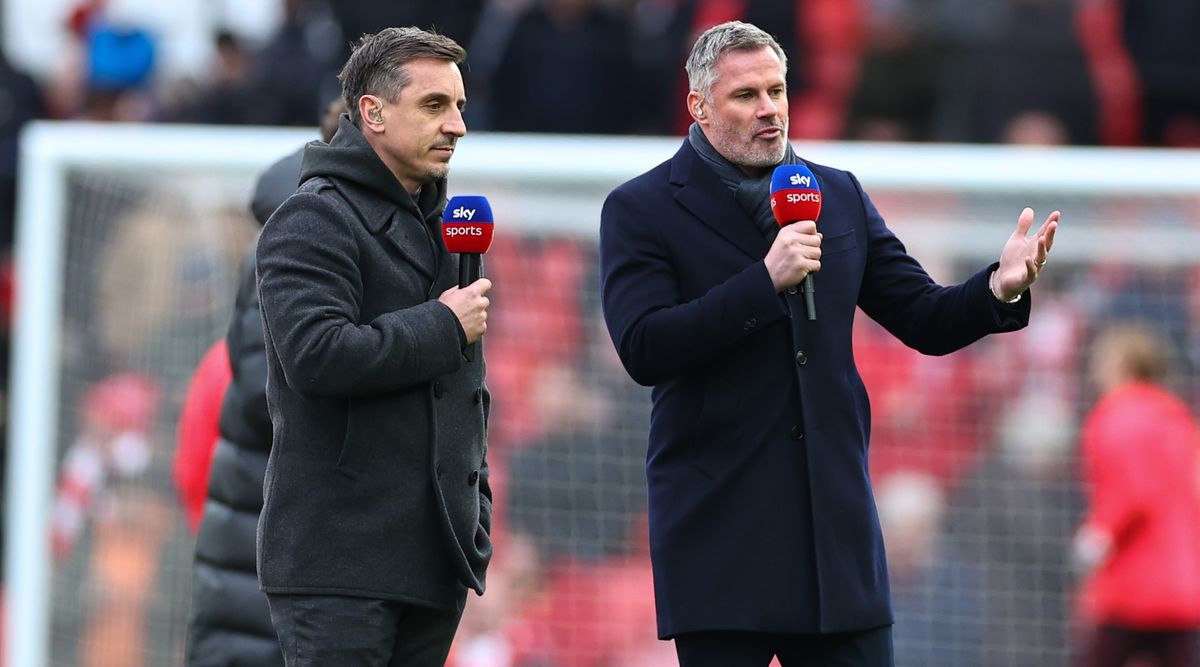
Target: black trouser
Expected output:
[868,648]
[330,630]
[1113,646]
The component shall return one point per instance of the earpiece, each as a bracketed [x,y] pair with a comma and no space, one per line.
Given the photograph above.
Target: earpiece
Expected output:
[376,117]
[699,112]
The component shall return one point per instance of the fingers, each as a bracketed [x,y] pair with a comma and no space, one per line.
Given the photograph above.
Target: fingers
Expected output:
[1049,228]
[804,231]
[1045,239]
[795,253]
[1024,222]
[481,286]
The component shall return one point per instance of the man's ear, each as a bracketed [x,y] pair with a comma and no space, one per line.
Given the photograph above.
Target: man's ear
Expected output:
[696,107]
[370,109]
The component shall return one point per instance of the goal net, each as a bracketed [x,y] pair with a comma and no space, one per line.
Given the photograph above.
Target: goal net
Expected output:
[130,238]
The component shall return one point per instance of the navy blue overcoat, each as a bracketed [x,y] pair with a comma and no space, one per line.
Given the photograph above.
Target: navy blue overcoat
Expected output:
[760,506]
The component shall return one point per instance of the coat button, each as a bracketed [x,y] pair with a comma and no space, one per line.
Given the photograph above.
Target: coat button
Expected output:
[797,433]
[801,358]
[440,471]
[437,390]
[473,478]
[792,290]
[750,323]
[478,395]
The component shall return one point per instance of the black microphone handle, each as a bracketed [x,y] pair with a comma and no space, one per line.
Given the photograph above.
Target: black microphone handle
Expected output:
[469,268]
[809,303]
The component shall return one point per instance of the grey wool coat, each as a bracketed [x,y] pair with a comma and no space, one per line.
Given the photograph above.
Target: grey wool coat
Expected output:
[377,483]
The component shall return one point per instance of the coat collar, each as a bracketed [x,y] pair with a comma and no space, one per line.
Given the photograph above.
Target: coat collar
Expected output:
[400,226]
[381,203]
[707,198]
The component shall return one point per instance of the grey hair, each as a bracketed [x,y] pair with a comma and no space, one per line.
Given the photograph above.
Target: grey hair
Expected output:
[719,40]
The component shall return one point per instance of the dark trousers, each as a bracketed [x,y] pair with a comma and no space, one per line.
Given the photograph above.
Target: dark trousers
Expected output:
[1114,646]
[868,648]
[360,632]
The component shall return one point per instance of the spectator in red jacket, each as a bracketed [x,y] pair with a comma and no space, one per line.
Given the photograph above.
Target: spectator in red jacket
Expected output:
[1140,542]
[198,431]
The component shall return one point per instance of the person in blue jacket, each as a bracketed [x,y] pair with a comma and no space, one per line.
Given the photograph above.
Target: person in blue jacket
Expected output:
[764,536]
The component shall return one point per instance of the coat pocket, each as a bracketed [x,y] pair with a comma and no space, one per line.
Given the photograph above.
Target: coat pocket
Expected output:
[844,242]
[718,427]
[355,452]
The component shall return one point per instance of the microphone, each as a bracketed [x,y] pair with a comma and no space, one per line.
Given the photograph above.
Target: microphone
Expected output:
[796,195]
[467,230]
[467,227]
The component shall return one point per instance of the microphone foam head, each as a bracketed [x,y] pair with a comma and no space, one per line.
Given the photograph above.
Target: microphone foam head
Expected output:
[467,225]
[795,194]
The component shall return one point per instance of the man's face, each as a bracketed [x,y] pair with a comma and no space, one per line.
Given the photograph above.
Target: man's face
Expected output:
[421,126]
[746,119]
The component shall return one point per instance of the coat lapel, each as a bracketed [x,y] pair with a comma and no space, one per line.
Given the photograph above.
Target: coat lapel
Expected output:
[410,237]
[707,198]
[402,229]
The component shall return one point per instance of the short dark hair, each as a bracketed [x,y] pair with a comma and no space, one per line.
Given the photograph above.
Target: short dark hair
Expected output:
[376,65]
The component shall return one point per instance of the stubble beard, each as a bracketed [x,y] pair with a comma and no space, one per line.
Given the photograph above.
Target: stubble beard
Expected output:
[751,152]
[439,170]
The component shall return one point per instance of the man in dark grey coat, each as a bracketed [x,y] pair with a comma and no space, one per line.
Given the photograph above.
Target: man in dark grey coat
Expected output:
[377,508]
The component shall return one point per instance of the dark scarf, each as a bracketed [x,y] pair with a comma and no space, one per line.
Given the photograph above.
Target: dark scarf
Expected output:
[753,195]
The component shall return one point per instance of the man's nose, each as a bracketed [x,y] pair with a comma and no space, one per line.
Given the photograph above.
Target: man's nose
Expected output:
[455,125]
[767,107]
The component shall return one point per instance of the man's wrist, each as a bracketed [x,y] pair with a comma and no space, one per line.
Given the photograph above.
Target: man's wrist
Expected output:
[994,287]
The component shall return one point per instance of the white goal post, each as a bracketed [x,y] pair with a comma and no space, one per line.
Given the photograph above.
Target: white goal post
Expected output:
[536,184]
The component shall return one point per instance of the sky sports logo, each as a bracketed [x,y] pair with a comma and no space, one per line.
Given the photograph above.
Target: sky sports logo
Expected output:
[464,213]
[794,197]
[452,230]
[797,179]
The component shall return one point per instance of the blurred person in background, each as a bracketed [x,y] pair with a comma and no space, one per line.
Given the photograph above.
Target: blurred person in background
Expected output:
[1003,58]
[893,99]
[1139,545]
[20,102]
[227,98]
[230,621]
[567,67]
[1160,36]
[377,507]
[294,73]
[760,425]
[456,19]
[122,62]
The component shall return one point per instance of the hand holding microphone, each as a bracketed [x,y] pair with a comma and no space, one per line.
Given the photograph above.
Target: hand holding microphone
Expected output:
[796,252]
[467,227]
[470,305]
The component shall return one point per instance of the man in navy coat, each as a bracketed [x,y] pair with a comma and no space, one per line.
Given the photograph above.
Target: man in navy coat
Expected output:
[764,536]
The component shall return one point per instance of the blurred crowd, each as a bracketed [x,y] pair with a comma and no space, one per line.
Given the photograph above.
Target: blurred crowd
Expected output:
[978,504]
[1114,72]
